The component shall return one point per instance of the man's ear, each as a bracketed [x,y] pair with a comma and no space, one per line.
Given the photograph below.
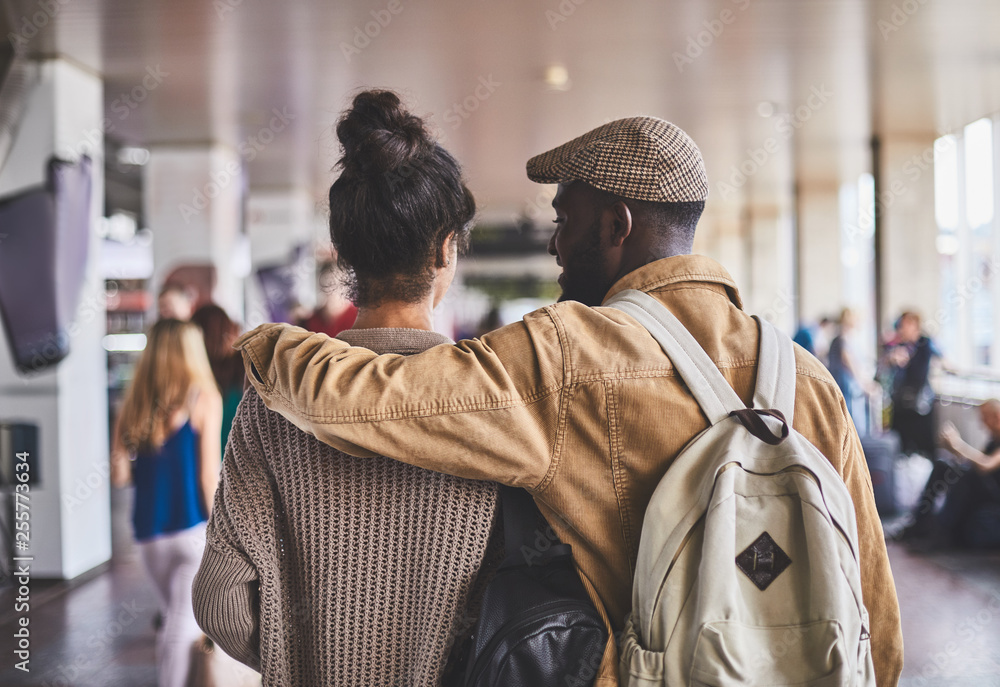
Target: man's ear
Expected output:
[621,223]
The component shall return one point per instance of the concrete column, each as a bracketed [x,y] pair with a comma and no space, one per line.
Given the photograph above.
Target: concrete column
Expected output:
[755,245]
[820,285]
[283,226]
[193,199]
[770,286]
[70,516]
[720,237]
[910,263]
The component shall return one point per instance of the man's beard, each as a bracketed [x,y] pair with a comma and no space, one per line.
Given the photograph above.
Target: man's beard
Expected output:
[583,280]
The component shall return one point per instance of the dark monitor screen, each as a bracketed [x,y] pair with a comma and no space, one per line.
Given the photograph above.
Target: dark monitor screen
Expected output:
[44,234]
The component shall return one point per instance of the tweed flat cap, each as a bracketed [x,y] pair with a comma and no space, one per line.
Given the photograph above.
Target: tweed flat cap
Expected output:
[643,158]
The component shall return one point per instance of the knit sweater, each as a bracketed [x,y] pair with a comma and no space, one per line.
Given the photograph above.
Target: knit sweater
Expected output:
[324,569]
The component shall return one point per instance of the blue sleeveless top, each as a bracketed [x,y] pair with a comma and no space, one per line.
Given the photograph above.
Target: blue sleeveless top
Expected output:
[167,487]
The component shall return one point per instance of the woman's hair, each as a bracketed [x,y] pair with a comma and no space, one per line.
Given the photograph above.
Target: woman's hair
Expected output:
[220,332]
[399,197]
[847,318]
[173,364]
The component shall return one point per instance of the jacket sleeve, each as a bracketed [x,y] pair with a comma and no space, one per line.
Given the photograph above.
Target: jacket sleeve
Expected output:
[877,586]
[481,409]
[226,587]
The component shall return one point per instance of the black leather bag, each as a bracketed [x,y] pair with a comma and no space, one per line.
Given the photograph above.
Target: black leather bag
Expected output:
[536,626]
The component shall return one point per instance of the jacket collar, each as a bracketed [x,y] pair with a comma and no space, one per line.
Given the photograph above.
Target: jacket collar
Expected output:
[677,269]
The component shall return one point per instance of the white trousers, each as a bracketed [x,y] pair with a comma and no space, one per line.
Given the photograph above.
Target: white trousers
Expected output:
[172,561]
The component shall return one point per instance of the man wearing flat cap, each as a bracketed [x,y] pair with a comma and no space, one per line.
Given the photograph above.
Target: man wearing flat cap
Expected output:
[577,403]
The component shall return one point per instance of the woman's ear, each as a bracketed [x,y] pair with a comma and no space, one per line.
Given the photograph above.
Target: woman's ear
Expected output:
[448,250]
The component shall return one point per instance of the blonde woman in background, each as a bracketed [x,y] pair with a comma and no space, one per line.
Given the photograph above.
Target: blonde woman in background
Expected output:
[170,422]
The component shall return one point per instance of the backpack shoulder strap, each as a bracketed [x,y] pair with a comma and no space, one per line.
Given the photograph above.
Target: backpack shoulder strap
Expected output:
[713,393]
[775,372]
[521,521]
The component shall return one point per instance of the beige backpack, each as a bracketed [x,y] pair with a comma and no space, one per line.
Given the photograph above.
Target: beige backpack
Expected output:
[748,561]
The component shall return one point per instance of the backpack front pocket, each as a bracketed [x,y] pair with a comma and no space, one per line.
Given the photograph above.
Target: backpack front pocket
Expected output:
[731,654]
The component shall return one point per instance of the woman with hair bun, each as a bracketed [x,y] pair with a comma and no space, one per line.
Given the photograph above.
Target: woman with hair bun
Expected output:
[321,568]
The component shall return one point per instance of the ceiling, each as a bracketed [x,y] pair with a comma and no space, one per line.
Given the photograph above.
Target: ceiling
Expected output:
[840,69]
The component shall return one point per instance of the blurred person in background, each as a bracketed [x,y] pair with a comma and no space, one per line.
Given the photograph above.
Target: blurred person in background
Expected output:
[971,484]
[843,365]
[815,337]
[826,329]
[298,313]
[336,313]
[905,367]
[321,569]
[804,337]
[175,303]
[220,332]
[170,421]
[490,322]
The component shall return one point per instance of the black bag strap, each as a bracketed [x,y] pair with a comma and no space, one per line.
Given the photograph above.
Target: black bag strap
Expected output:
[524,528]
[520,519]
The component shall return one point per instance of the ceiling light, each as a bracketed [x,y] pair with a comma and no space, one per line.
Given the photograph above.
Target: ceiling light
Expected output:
[557,77]
[947,244]
[130,155]
[766,108]
[124,342]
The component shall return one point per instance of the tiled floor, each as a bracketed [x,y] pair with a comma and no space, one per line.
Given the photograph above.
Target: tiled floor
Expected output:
[950,605]
[100,633]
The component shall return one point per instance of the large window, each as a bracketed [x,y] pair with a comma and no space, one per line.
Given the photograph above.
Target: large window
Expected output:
[965,193]
[857,265]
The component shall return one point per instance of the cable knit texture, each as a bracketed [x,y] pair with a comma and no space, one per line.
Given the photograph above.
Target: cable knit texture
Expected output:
[324,569]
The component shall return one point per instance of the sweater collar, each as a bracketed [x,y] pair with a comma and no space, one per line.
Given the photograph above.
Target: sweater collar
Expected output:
[393,339]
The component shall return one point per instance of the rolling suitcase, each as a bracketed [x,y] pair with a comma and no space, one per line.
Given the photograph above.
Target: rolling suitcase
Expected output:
[880,454]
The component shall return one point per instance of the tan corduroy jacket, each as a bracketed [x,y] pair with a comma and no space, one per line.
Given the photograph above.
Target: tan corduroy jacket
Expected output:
[578,405]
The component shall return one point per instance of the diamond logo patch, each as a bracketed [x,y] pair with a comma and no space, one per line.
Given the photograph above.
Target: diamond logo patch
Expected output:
[763,561]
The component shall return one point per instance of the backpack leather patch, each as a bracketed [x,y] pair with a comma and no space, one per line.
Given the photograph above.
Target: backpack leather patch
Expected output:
[763,561]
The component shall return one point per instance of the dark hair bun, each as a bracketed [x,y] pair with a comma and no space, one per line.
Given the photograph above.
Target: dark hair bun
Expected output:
[398,199]
[379,136]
